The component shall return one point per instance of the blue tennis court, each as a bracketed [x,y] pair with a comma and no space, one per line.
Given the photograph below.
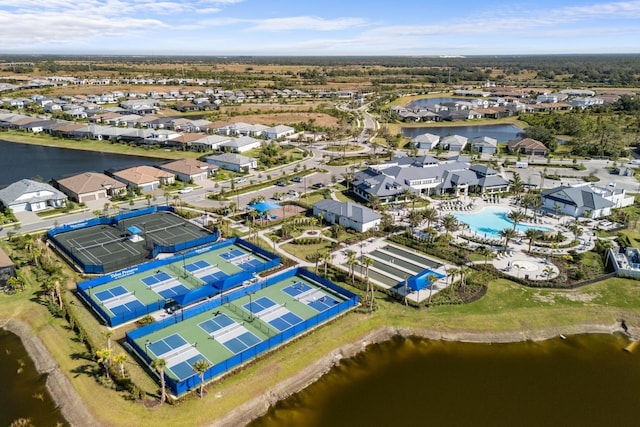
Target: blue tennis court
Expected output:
[129,307]
[160,276]
[179,289]
[184,369]
[258,305]
[195,266]
[250,264]
[216,323]
[322,304]
[166,344]
[285,321]
[296,289]
[233,253]
[110,293]
[242,342]
[214,277]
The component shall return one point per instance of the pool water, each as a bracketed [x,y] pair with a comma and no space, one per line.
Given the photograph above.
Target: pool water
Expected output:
[490,221]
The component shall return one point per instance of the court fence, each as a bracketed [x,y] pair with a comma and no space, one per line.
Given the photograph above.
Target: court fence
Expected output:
[115,221]
[208,289]
[274,338]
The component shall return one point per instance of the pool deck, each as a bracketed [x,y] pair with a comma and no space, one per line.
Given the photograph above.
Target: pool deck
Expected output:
[507,259]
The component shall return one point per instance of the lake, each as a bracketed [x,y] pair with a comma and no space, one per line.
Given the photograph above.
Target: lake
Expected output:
[20,161]
[585,380]
[501,132]
[24,392]
[434,101]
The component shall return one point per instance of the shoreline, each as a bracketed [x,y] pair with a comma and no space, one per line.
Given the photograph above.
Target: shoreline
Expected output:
[76,412]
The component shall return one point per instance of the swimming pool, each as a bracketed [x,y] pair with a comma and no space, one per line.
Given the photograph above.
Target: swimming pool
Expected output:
[490,221]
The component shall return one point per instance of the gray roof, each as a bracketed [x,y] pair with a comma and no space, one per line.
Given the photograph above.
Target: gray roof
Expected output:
[10,194]
[577,196]
[484,141]
[240,142]
[231,158]
[426,137]
[357,213]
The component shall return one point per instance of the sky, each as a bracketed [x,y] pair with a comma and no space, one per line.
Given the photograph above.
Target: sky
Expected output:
[318,27]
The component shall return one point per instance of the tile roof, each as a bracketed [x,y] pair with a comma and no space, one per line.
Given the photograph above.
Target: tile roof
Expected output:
[89,182]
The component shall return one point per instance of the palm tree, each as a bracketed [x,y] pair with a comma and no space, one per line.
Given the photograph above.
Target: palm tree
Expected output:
[450,224]
[463,272]
[368,262]
[484,251]
[104,356]
[415,218]
[517,186]
[351,262]
[532,234]
[108,334]
[149,197]
[120,358]
[430,215]
[166,195]
[548,270]
[325,257]
[453,272]
[431,278]
[516,217]
[320,217]
[312,222]
[508,234]
[201,366]
[159,364]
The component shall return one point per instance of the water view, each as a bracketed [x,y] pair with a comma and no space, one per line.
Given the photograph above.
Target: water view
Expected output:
[434,101]
[490,221]
[24,393]
[502,132]
[585,380]
[20,161]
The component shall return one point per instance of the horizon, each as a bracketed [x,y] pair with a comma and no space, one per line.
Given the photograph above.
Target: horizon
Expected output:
[215,28]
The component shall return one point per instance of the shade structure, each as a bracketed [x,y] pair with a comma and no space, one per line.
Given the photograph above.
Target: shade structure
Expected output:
[265,206]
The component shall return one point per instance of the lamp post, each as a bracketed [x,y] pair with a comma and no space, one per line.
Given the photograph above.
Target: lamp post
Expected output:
[146,348]
[250,306]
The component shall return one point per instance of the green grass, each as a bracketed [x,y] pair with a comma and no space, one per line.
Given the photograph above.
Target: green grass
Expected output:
[305,252]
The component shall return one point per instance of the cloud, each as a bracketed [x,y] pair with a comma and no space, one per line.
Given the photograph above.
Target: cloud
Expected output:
[310,23]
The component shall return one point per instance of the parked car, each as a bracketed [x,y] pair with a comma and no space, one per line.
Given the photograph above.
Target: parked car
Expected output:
[281,183]
[241,180]
[296,179]
[293,193]
[185,190]
[318,185]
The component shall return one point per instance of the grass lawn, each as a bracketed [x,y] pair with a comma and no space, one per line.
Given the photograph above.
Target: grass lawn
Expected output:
[304,251]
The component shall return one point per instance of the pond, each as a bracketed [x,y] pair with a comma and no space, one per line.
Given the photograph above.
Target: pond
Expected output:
[434,101]
[24,392]
[582,380]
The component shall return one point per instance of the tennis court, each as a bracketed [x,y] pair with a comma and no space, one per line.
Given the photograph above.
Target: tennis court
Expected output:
[119,300]
[276,315]
[233,253]
[231,330]
[230,333]
[125,242]
[178,353]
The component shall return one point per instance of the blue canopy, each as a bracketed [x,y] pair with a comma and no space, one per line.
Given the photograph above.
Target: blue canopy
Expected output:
[134,230]
[420,280]
[265,206]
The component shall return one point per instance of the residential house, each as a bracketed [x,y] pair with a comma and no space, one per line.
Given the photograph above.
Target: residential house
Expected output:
[485,144]
[7,268]
[144,178]
[347,214]
[241,144]
[425,141]
[208,142]
[232,161]
[454,142]
[528,146]
[279,131]
[584,200]
[29,195]
[90,186]
[189,170]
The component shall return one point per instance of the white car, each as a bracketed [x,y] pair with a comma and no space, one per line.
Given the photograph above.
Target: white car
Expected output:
[185,190]
[241,180]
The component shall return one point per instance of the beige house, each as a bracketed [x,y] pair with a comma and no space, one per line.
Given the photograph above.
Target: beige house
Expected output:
[189,170]
[89,186]
[144,178]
